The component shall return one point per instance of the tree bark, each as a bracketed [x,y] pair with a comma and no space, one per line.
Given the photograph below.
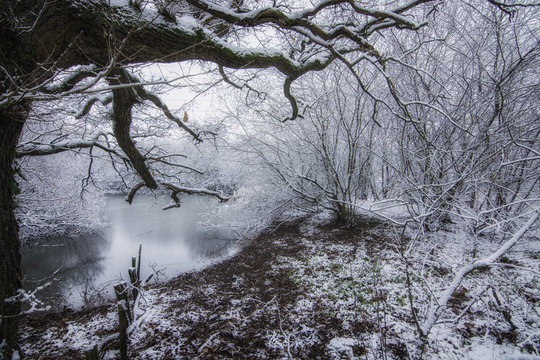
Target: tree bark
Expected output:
[93,32]
[123,101]
[11,124]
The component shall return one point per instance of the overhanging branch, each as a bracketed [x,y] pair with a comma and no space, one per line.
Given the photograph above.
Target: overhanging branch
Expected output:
[175,190]
[144,94]
[123,101]
[41,149]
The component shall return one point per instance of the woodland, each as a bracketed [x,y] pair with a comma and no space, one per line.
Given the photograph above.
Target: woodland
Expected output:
[379,160]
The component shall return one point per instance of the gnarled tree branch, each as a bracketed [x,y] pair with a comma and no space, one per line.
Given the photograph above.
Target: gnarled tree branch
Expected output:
[123,101]
[40,149]
[192,191]
[144,94]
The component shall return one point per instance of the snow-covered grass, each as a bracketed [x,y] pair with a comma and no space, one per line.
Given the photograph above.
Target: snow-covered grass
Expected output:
[322,292]
[494,314]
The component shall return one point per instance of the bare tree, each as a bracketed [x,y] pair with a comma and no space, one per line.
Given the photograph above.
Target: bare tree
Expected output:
[469,146]
[324,159]
[468,149]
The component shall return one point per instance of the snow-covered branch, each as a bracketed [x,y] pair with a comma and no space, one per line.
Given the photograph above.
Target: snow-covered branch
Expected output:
[32,148]
[304,19]
[439,306]
[175,190]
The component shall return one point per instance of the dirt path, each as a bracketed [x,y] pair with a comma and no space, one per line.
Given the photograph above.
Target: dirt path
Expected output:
[229,306]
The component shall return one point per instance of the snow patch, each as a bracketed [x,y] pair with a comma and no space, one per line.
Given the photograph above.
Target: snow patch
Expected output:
[340,347]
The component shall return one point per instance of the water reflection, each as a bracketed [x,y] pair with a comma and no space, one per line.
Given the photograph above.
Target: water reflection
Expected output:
[171,245]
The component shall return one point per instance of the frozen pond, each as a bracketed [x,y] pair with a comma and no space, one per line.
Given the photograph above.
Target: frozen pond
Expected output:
[88,264]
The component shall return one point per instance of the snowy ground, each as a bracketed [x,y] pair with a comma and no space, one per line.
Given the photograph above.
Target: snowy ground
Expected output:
[313,291]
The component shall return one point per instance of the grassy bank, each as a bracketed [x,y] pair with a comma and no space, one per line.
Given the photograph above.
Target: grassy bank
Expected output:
[304,291]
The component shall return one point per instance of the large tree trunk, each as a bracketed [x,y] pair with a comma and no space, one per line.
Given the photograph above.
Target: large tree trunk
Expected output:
[11,124]
[15,61]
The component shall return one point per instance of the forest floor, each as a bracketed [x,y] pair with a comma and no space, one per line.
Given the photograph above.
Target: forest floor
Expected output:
[311,290]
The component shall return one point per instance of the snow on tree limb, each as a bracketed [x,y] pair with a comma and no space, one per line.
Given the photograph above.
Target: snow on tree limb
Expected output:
[437,309]
[141,35]
[192,191]
[175,190]
[304,18]
[39,149]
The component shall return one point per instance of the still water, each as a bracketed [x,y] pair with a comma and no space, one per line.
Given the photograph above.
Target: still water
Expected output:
[87,266]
